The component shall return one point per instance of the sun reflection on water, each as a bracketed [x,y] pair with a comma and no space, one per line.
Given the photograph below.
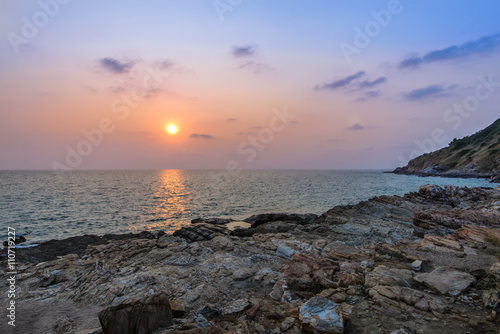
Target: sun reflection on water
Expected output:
[170,203]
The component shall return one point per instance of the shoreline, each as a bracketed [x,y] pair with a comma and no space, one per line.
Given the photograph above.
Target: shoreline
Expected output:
[356,263]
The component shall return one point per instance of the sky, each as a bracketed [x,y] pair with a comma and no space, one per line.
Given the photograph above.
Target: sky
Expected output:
[249,84]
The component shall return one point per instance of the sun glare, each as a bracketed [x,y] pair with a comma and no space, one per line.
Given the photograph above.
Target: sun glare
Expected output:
[172,129]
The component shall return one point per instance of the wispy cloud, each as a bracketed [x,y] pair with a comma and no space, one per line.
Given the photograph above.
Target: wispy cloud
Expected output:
[371,94]
[355,127]
[370,84]
[116,66]
[255,67]
[428,92]
[243,51]
[201,135]
[340,83]
[482,46]
[231,119]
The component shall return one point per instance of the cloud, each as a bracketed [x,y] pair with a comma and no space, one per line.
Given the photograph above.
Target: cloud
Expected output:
[481,46]
[116,66]
[355,127]
[256,127]
[243,51]
[340,83]
[202,135]
[255,67]
[165,64]
[231,119]
[371,94]
[425,93]
[335,140]
[370,84]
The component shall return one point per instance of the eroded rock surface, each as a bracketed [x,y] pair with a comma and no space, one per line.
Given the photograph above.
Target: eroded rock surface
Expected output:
[426,262]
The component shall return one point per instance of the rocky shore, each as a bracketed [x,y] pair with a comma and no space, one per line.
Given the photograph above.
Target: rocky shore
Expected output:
[427,262]
[469,172]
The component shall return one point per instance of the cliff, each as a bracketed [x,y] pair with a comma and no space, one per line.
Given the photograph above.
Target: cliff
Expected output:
[477,155]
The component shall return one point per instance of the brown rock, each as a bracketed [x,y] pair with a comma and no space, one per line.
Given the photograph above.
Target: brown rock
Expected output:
[446,280]
[308,272]
[137,317]
[476,234]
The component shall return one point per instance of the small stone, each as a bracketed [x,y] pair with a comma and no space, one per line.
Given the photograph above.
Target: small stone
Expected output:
[236,306]
[242,274]
[416,265]
[284,251]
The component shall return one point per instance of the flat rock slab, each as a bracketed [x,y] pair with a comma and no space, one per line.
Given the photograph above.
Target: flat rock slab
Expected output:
[445,280]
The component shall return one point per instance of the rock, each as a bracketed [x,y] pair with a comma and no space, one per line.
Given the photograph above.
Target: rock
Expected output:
[416,265]
[444,280]
[242,274]
[257,220]
[137,317]
[477,234]
[236,306]
[200,232]
[221,243]
[202,322]
[212,221]
[441,244]
[320,315]
[65,325]
[309,273]
[284,251]
[382,275]
[495,270]
[491,298]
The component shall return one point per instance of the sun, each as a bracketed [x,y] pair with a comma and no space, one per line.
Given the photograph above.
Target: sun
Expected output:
[172,129]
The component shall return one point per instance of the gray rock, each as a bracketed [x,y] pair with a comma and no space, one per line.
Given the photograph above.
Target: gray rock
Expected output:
[285,251]
[445,280]
[320,315]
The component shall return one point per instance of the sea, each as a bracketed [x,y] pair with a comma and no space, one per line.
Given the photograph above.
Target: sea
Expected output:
[57,205]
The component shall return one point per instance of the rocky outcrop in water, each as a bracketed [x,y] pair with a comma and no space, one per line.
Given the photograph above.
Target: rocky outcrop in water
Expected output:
[426,262]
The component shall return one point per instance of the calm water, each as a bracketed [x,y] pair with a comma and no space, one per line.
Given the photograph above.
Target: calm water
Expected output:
[72,203]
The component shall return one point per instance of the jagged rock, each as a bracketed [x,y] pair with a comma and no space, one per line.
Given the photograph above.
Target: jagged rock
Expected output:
[383,275]
[491,298]
[257,220]
[221,243]
[65,325]
[441,244]
[242,274]
[236,306]
[495,270]
[477,234]
[445,280]
[137,317]
[200,232]
[320,315]
[213,221]
[308,273]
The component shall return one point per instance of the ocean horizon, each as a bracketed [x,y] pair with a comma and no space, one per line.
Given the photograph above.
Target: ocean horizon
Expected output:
[57,205]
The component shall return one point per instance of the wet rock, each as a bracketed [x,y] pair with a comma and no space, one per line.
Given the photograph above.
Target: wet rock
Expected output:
[320,315]
[213,221]
[137,317]
[200,232]
[309,273]
[257,220]
[445,280]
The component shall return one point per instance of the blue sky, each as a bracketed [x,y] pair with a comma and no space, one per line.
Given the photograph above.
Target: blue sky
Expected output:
[227,66]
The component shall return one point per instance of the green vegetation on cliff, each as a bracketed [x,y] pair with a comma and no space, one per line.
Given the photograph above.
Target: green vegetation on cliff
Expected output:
[478,153]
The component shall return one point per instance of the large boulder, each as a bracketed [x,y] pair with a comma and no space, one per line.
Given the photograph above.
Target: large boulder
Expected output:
[137,317]
[320,315]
